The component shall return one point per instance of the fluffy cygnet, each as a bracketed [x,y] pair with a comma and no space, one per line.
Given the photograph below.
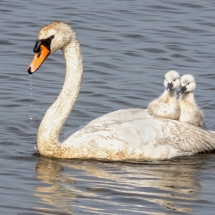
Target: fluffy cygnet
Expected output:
[167,106]
[190,112]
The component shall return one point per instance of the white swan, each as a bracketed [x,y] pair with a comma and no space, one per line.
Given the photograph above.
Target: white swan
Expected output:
[130,134]
[167,106]
[190,112]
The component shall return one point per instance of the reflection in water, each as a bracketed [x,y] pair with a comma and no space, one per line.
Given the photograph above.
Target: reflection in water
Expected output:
[53,191]
[147,187]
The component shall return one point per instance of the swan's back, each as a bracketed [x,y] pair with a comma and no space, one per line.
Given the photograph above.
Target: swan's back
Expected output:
[167,106]
[190,112]
[138,139]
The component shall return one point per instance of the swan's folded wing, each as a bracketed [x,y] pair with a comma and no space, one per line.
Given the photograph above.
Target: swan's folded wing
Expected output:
[139,139]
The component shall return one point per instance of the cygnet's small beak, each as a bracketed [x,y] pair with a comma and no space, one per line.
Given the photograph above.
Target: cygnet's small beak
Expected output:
[169,86]
[182,90]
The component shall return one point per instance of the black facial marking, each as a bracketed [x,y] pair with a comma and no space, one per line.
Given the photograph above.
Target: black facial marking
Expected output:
[45,42]
[39,53]
[36,48]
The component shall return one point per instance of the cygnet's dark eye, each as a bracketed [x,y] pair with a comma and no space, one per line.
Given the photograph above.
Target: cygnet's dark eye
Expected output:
[175,79]
[188,83]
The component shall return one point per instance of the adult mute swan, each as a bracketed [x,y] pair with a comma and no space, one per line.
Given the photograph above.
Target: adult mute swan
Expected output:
[190,112]
[167,106]
[123,135]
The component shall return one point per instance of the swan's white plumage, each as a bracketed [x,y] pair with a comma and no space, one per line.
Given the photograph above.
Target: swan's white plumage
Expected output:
[190,112]
[167,106]
[125,135]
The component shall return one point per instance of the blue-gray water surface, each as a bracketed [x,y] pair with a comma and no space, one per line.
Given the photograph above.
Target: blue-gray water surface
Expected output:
[127,48]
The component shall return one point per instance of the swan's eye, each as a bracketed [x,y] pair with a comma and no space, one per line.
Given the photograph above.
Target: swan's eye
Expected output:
[175,79]
[188,83]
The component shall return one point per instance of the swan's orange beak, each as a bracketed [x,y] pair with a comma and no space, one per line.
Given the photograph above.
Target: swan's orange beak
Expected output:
[38,59]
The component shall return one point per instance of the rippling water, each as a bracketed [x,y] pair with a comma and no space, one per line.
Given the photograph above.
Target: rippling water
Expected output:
[127,48]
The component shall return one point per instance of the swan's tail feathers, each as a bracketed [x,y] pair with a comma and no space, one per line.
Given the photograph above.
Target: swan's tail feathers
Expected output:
[199,141]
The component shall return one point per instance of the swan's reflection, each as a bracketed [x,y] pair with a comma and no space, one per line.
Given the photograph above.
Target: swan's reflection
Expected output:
[52,191]
[116,187]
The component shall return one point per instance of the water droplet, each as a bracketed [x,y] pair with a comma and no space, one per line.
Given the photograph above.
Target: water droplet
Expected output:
[31,97]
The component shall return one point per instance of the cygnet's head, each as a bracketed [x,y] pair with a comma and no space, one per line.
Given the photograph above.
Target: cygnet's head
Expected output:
[172,80]
[188,84]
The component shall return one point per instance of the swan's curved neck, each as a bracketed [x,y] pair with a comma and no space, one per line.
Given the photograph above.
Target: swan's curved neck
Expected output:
[55,116]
